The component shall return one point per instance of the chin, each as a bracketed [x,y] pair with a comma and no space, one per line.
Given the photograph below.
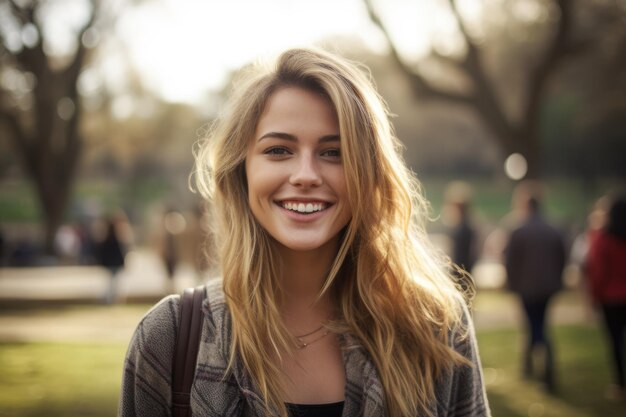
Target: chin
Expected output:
[303,246]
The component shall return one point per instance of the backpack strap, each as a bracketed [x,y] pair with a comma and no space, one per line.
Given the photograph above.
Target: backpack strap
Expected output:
[186,349]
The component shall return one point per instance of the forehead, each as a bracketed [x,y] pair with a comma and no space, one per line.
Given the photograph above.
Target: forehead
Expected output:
[292,107]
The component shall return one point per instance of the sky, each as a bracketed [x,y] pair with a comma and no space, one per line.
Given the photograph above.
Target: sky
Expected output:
[186,47]
[183,48]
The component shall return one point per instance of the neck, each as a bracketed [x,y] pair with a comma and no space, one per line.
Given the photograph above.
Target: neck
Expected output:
[303,276]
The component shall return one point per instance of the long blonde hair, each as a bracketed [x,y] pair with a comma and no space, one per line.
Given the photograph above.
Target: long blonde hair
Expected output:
[393,288]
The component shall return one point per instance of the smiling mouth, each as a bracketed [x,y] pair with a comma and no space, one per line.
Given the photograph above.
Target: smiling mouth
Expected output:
[304,208]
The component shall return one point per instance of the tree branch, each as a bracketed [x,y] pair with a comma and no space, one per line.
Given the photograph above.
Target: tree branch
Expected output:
[419,83]
[489,105]
[76,65]
[482,98]
[559,47]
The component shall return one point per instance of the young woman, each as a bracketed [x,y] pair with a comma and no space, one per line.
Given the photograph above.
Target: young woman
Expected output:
[331,300]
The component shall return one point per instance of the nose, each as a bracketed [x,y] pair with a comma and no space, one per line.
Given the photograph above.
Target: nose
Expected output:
[306,172]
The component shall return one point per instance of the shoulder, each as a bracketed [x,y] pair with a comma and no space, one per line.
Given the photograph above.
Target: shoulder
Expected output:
[146,382]
[162,319]
[155,334]
[461,391]
[215,290]
[461,333]
[215,306]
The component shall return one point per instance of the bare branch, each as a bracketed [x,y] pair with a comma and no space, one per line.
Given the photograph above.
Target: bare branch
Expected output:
[419,83]
[560,47]
[72,71]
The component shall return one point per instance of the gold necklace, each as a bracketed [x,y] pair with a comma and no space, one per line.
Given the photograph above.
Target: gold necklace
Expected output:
[302,344]
[310,333]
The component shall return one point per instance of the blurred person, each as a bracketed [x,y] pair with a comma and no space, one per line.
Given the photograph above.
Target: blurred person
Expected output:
[332,301]
[23,253]
[606,271]
[462,232]
[596,221]
[86,252]
[534,261]
[497,239]
[173,225]
[111,252]
[195,248]
[67,243]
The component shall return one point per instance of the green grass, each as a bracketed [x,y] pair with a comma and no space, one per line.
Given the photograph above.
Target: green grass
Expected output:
[82,379]
[58,379]
[582,372]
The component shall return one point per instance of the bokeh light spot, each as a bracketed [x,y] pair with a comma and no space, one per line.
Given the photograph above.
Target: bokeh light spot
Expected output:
[515,166]
[30,35]
[66,108]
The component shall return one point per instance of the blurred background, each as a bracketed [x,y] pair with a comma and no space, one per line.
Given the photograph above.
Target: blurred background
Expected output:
[101,103]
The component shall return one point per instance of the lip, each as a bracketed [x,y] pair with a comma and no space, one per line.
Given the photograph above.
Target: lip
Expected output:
[303,200]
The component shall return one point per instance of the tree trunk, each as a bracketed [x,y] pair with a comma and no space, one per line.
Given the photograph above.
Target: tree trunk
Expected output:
[49,147]
[54,196]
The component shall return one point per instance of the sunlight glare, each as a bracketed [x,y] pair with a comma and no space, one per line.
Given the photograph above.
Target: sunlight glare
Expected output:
[187,48]
[63,19]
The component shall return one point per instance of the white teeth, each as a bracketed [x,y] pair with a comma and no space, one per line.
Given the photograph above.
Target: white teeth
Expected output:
[304,208]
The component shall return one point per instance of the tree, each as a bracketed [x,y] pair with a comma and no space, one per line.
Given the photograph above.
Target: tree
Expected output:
[43,124]
[514,132]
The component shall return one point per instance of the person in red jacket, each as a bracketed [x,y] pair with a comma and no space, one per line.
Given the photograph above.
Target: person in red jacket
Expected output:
[606,270]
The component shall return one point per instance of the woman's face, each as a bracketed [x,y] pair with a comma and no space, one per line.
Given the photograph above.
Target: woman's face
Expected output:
[296,183]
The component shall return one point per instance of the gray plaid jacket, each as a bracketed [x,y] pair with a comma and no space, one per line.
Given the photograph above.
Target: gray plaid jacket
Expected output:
[146,386]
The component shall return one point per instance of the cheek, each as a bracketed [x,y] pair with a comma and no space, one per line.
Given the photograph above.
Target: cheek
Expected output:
[252,177]
[339,184]
[262,182]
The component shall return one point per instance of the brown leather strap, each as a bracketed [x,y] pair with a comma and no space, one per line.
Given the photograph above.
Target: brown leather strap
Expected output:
[186,353]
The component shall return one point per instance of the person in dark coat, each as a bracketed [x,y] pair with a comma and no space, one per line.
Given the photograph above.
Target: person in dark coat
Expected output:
[534,261]
[111,252]
[463,239]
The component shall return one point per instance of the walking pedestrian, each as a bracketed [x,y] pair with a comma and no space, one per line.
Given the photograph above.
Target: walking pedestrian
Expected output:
[606,271]
[534,261]
[111,252]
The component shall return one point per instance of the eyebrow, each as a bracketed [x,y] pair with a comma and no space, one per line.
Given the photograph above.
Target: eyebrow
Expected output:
[294,138]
